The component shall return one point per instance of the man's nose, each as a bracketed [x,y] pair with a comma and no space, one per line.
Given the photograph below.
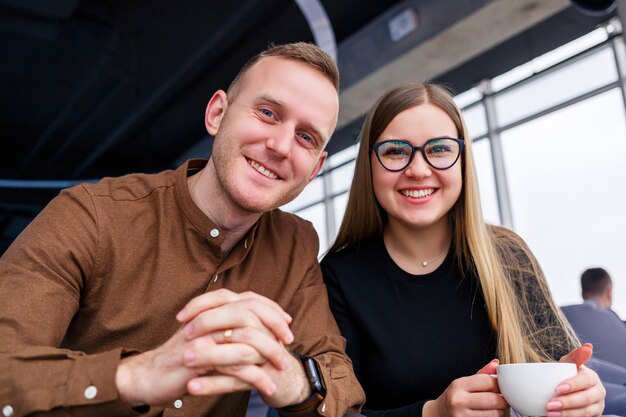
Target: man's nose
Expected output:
[281,140]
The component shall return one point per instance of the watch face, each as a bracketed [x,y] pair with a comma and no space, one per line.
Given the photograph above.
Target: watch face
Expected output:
[316,381]
[314,375]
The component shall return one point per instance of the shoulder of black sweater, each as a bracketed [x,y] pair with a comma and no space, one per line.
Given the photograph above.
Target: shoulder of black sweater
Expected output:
[362,249]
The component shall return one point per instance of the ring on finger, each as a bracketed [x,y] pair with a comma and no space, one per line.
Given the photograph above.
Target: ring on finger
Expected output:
[228,336]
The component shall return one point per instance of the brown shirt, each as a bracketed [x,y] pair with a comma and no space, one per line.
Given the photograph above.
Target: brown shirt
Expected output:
[104,269]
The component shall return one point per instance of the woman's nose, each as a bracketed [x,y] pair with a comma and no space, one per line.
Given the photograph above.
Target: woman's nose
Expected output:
[418,167]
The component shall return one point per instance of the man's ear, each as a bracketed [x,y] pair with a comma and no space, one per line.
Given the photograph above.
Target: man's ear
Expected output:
[318,167]
[215,111]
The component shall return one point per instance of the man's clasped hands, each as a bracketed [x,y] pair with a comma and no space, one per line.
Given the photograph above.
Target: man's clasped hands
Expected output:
[228,342]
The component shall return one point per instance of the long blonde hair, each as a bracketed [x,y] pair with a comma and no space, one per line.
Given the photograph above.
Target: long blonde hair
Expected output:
[504,265]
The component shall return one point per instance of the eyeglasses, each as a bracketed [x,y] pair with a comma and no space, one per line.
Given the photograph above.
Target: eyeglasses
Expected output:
[396,154]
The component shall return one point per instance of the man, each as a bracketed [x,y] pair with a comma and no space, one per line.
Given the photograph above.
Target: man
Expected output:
[185,289]
[594,321]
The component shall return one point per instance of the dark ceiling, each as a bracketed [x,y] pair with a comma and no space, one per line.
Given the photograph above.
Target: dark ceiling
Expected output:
[94,88]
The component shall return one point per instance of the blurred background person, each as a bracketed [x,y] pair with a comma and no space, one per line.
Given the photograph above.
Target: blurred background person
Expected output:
[594,321]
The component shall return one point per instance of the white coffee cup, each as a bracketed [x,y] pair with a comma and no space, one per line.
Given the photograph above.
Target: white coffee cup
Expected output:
[528,387]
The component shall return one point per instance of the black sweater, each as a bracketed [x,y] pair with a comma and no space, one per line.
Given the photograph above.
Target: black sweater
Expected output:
[409,336]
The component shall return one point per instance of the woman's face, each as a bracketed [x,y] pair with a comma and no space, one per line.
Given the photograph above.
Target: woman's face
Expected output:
[418,196]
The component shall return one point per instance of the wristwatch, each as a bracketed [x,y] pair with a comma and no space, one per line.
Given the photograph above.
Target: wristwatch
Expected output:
[316,382]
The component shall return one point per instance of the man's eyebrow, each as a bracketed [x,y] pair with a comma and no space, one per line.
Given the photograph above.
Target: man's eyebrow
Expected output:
[270,99]
[316,132]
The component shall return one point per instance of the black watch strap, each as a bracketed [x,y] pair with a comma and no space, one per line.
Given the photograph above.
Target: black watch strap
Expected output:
[316,382]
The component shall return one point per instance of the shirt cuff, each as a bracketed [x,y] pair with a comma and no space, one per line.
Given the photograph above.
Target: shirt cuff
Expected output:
[343,393]
[93,389]
[90,390]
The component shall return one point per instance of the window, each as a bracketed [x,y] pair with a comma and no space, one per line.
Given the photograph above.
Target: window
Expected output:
[565,173]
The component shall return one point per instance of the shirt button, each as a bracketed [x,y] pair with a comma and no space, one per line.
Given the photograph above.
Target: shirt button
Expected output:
[215,233]
[7,411]
[91,392]
[178,404]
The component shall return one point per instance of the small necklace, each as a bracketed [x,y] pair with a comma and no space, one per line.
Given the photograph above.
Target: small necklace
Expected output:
[427,262]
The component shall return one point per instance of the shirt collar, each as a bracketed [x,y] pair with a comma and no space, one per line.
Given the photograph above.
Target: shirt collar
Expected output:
[593,303]
[199,220]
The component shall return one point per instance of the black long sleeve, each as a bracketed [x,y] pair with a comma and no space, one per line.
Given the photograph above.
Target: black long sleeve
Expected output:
[408,336]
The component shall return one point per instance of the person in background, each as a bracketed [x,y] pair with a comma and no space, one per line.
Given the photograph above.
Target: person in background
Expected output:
[177,293]
[594,321]
[429,297]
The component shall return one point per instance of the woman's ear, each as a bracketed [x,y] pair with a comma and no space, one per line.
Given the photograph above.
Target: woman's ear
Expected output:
[215,110]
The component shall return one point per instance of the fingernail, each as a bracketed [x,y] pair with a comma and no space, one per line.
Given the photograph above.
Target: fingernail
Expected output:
[273,388]
[189,357]
[289,338]
[553,414]
[181,315]
[562,389]
[188,330]
[288,317]
[554,405]
[194,386]
[496,361]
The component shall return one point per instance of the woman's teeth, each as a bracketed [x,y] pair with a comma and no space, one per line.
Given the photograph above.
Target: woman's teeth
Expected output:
[417,193]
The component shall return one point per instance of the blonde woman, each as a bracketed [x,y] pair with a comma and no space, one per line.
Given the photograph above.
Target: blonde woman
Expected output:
[424,291]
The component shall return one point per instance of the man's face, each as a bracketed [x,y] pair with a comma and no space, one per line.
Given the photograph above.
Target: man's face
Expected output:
[269,140]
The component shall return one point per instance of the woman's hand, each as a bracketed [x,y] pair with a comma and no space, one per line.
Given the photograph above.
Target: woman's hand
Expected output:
[472,395]
[582,395]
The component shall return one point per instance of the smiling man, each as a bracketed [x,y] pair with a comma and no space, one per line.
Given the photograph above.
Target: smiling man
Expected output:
[176,293]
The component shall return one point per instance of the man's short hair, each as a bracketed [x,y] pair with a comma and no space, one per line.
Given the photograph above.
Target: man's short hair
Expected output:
[307,53]
[594,281]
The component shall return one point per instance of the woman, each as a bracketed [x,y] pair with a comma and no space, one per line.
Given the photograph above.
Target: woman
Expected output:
[425,293]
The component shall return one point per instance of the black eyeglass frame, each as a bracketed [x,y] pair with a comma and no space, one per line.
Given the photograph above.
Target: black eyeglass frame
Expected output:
[377,145]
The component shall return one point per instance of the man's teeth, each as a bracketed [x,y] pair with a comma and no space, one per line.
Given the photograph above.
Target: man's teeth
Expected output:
[263,170]
[418,193]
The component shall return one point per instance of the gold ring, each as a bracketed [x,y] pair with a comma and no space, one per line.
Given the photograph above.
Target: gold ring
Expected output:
[228,334]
